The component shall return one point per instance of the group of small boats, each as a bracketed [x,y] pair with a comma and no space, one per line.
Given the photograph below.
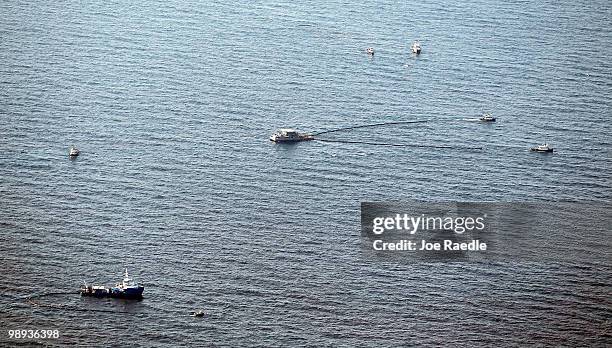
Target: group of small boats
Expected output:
[415,48]
[487,117]
[288,135]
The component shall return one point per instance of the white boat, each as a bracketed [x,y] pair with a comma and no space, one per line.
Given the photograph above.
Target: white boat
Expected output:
[287,135]
[74,151]
[542,148]
[370,51]
[487,118]
[416,47]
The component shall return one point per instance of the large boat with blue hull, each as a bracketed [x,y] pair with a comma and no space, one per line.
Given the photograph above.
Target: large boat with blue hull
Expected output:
[126,289]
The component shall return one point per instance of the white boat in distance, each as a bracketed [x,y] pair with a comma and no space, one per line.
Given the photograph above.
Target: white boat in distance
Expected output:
[416,47]
[487,118]
[542,148]
[74,152]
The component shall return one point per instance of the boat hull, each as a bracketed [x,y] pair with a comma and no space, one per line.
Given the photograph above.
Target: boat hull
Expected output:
[539,150]
[134,293]
[130,293]
[291,140]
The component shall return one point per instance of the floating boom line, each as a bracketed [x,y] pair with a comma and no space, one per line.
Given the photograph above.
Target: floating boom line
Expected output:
[398,145]
[369,125]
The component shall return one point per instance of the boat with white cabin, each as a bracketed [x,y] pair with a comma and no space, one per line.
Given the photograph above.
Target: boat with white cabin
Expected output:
[416,47]
[542,148]
[74,151]
[487,117]
[287,135]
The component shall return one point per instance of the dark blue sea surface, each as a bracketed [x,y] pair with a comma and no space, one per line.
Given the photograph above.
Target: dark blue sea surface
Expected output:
[171,104]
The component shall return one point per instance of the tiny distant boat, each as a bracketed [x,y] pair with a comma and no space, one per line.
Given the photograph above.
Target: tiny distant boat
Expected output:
[287,135]
[126,289]
[74,151]
[487,118]
[370,51]
[416,47]
[198,314]
[542,148]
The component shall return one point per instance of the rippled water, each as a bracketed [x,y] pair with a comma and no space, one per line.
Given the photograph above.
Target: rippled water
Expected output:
[171,104]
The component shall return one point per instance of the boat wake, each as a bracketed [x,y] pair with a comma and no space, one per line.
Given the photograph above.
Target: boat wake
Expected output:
[35,301]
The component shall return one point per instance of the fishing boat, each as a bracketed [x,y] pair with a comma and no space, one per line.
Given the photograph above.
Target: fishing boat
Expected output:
[198,314]
[370,51]
[542,148]
[287,135]
[126,289]
[487,118]
[74,152]
[416,47]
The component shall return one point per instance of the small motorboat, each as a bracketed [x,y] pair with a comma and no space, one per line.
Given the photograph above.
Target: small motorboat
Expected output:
[487,118]
[287,135]
[370,51]
[416,47]
[198,314]
[74,152]
[542,148]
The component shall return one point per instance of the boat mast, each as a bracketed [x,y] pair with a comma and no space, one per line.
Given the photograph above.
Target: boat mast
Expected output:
[126,279]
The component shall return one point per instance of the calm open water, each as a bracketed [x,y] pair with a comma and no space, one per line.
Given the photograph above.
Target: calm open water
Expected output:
[171,104]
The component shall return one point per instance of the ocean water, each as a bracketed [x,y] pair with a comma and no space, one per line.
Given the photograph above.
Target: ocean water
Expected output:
[172,103]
